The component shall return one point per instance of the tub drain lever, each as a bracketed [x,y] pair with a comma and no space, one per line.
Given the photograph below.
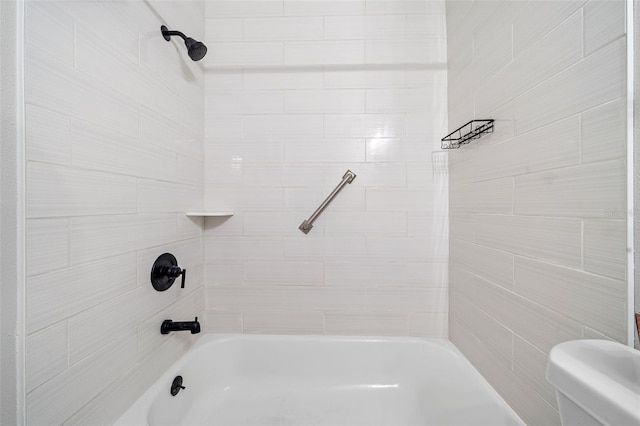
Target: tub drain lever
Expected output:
[176,386]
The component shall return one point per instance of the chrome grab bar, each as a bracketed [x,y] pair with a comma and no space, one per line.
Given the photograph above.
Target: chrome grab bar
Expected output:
[307,224]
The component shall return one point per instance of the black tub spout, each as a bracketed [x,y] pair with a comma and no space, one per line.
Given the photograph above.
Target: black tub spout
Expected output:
[169,326]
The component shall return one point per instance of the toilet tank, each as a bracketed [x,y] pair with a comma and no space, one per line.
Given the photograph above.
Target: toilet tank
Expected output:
[597,382]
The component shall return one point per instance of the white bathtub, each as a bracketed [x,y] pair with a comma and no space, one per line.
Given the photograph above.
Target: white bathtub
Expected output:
[300,380]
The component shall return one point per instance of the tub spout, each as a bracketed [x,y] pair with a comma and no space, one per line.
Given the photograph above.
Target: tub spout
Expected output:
[169,326]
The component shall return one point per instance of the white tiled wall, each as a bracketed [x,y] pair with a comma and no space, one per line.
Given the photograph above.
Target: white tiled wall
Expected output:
[114,159]
[297,92]
[538,232]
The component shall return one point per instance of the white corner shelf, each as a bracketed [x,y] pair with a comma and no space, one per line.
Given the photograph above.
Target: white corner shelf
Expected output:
[209,214]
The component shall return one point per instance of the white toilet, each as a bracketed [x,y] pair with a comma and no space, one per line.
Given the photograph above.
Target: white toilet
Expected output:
[597,382]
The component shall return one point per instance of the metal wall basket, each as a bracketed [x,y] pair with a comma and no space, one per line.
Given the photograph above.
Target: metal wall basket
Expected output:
[466,133]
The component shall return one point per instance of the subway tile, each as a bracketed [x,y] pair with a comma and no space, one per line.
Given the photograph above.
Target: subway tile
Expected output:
[288,272]
[223,174]
[268,223]
[366,273]
[550,147]
[378,175]
[129,386]
[605,247]
[118,74]
[188,227]
[461,226]
[281,175]
[47,245]
[423,249]
[45,355]
[323,7]
[600,304]
[223,272]
[327,248]
[246,199]
[597,79]
[306,199]
[428,324]
[223,29]
[47,136]
[365,125]
[427,225]
[531,364]
[495,335]
[287,28]
[324,52]
[158,131]
[244,298]
[97,237]
[369,223]
[407,300]
[541,326]
[81,383]
[493,265]
[325,151]
[591,191]
[67,91]
[551,54]
[283,322]
[428,274]
[58,295]
[245,53]
[398,150]
[405,7]
[156,196]
[248,248]
[537,19]
[428,51]
[96,148]
[112,318]
[283,78]
[551,239]
[490,196]
[61,191]
[49,32]
[364,77]
[403,200]
[325,298]
[284,126]
[243,9]
[364,27]
[604,132]
[224,78]
[365,324]
[267,151]
[425,100]
[325,101]
[223,322]
[244,102]
[190,171]
[226,225]
[604,21]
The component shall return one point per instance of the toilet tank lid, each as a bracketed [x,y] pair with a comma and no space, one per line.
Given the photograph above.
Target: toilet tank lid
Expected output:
[600,376]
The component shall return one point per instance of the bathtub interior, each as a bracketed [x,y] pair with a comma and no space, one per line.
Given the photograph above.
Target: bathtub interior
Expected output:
[280,380]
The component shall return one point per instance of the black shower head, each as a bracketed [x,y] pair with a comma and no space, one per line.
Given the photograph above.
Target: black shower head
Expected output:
[196,49]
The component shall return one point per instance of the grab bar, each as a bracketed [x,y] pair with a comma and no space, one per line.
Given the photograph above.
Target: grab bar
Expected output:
[307,224]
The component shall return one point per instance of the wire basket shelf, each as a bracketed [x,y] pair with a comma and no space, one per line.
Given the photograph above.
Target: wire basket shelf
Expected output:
[466,133]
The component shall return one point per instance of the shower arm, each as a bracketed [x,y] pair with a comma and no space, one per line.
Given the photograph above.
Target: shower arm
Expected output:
[166,33]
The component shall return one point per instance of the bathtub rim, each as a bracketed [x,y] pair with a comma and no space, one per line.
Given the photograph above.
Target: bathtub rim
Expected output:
[138,412]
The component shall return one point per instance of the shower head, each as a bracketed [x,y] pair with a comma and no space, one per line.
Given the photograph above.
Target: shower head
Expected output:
[196,49]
